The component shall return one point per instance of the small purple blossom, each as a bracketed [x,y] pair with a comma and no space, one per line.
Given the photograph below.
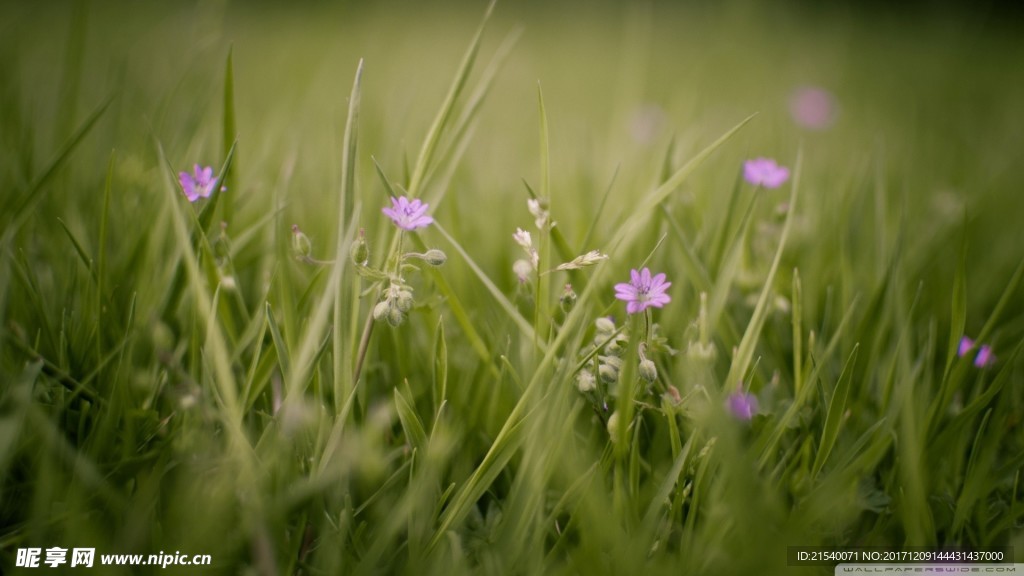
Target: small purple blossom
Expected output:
[742,405]
[966,344]
[765,172]
[199,184]
[985,357]
[812,107]
[408,214]
[643,290]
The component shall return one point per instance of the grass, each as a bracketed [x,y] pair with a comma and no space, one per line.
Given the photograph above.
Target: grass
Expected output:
[179,377]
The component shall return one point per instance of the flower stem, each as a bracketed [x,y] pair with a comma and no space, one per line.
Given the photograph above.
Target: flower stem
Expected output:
[364,343]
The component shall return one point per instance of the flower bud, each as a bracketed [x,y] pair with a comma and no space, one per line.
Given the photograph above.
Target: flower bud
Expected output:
[435,257]
[395,316]
[613,361]
[674,394]
[380,311]
[358,251]
[404,301]
[609,374]
[301,245]
[605,326]
[568,299]
[614,348]
[648,371]
[522,269]
[585,382]
[613,425]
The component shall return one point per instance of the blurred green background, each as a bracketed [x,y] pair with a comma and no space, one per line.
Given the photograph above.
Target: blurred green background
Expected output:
[918,170]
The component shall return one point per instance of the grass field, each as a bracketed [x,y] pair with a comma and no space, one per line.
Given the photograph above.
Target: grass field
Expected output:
[279,377]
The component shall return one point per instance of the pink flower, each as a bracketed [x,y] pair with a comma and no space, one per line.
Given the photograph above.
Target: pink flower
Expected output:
[812,108]
[742,405]
[965,346]
[199,184]
[765,172]
[643,290]
[408,214]
[985,357]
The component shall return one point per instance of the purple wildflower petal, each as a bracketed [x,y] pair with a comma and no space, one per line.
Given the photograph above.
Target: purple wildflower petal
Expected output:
[199,184]
[813,108]
[984,357]
[765,172]
[643,291]
[965,346]
[408,215]
[742,405]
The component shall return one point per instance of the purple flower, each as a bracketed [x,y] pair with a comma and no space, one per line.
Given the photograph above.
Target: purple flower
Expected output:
[408,214]
[643,290]
[765,172]
[966,344]
[985,357]
[812,108]
[199,184]
[742,405]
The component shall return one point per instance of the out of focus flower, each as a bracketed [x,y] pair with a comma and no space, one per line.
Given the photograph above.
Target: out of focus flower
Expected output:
[643,291]
[539,211]
[965,346]
[765,172]
[742,405]
[408,214]
[522,270]
[984,357]
[199,184]
[522,237]
[812,107]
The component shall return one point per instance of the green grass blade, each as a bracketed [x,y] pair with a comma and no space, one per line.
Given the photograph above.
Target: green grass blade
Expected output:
[283,357]
[35,193]
[229,135]
[524,326]
[441,121]
[637,220]
[13,401]
[836,413]
[798,335]
[86,260]
[440,355]
[745,350]
[343,383]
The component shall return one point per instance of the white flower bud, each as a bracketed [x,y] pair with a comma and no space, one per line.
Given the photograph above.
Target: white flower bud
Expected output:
[609,374]
[404,300]
[613,425]
[648,371]
[380,311]
[395,316]
[522,269]
[585,382]
[435,257]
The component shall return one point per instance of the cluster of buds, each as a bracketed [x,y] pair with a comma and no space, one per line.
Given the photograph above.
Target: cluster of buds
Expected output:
[395,303]
[396,300]
[608,351]
[609,344]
